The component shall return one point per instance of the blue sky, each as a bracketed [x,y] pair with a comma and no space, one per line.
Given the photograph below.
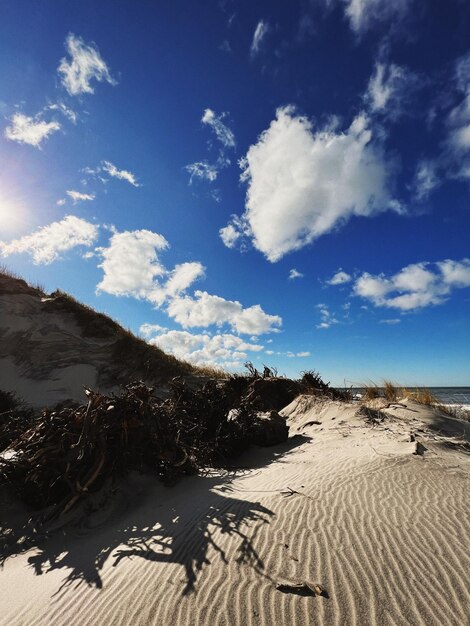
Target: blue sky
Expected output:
[279,182]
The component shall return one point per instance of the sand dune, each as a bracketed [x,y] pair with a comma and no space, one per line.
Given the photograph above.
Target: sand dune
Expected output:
[51,347]
[344,503]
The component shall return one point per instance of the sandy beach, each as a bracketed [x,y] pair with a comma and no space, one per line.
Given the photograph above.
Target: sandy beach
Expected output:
[345,503]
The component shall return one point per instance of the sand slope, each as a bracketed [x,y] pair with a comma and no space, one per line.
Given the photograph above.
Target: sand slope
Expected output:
[384,531]
[51,347]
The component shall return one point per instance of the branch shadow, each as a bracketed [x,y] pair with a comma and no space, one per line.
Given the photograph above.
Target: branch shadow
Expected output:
[147,520]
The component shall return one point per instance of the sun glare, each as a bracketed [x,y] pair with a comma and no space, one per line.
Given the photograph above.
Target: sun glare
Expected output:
[13,213]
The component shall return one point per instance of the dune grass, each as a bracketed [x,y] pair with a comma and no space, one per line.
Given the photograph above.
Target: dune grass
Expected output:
[392,392]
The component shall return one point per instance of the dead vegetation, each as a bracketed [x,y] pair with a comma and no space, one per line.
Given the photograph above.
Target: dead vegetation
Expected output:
[54,460]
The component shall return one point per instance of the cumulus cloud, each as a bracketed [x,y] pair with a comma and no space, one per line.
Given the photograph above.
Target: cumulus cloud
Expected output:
[340,278]
[415,286]
[225,350]
[147,330]
[293,274]
[47,244]
[302,184]
[131,263]
[221,130]
[261,30]
[230,235]
[85,65]
[205,310]
[30,130]
[113,171]
[132,266]
[390,322]
[78,196]
[177,282]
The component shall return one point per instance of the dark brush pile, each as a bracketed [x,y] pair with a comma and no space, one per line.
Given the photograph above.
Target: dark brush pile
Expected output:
[64,454]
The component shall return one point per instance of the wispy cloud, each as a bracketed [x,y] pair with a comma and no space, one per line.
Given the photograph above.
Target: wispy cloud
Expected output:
[47,244]
[114,172]
[261,30]
[78,196]
[223,133]
[389,88]
[30,130]
[302,184]
[295,274]
[65,110]
[458,122]
[363,15]
[327,318]
[84,66]
[416,286]
[202,170]
[426,179]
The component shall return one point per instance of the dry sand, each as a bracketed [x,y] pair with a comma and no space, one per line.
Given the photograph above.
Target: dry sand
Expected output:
[343,503]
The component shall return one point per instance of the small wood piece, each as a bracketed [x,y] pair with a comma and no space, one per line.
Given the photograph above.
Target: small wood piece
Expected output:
[303,588]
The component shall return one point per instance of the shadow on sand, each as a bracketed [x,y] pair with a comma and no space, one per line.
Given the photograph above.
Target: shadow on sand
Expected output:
[144,519]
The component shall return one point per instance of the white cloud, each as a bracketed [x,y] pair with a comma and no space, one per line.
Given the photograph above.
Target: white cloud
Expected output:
[148,330]
[225,350]
[61,202]
[130,263]
[86,64]
[365,14]
[205,310]
[261,30]
[388,88]
[426,179]
[303,184]
[295,274]
[202,170]
[30,130]
[66,111]
[132,267]
[415,286]
[327,318]
[229,235]
[340,278]
[78,196]
[459,120]
[177,282]
[221,130]
[300,355]
[390,322]
[46,244]
[113,171]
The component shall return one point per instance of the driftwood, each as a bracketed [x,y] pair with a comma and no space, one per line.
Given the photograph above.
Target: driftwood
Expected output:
[303,588]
